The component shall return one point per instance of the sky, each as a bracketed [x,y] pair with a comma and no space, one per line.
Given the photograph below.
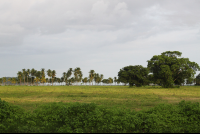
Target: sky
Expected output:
[99,35]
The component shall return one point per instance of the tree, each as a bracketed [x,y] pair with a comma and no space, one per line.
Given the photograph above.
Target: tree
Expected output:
[85,80]
[115,80]
[20,75]
[170,69]
[72,80]
[133,75]
[49,73]
[37,79]
[24,74]
[110,80]
[91,75]
[1,80]
[10,80]
[64,76]
[198,79]
[67,75]
[62,80]
[4,80]
[33,72]
[97,78]
[77,74]
[105,81]
[101,77]
[14,80]
[43,79]
[47,80]
[28,71]
[53,75]
[58,80]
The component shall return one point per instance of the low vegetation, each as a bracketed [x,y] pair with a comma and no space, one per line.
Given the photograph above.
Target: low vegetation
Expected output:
[97,109]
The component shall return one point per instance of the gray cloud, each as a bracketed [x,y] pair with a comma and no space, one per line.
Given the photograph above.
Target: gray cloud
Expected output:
[103,35]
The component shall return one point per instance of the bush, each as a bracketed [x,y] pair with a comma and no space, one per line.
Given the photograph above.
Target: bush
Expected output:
[90,118]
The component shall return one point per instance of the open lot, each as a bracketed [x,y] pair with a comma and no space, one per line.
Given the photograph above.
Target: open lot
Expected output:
[143,98]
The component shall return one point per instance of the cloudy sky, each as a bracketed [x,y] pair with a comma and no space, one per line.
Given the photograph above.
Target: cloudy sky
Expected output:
[103,35]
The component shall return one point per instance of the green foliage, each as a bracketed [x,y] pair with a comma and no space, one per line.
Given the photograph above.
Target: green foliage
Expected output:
[198,79]
[90,118]
[137,75]
[170,70]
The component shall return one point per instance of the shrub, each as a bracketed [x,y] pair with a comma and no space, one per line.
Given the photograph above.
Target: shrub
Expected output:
[90,118]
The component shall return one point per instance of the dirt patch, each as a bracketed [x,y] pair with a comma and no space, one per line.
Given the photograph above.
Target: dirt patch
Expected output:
[137,109]
[190,98]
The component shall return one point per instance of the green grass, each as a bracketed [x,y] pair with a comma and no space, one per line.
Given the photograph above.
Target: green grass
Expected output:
[122,97]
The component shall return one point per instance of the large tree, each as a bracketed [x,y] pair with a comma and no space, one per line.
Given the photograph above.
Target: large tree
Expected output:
[169,69]
[133,75]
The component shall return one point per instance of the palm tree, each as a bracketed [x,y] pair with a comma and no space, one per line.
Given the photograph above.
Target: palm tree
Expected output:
[1,80]
[37,79]
[28,71]
[64,76]
[77,75]
[91,75]
[4,80]
[115,80]
[110,80]
[19,74]
[38,74]
[49,73]
[72,80]
[43,72]
[55,79]
[53,75]
[10,80]
[62,80]
[43,80]
[59,80]
[101,77]
[14,80]
[47,80]
[24,74]
[33,72]
[69,73]
[85,80]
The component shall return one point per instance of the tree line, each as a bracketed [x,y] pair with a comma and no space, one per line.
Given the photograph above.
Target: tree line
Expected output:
[35,77]
[165,70]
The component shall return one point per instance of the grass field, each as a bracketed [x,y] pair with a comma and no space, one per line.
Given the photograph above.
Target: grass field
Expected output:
[143,98]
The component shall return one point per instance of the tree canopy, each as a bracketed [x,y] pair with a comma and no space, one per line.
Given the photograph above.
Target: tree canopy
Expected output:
[169,69]
[133,75]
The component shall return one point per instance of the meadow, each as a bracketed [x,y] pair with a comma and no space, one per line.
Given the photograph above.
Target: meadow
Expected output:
[93,109]
[136,98]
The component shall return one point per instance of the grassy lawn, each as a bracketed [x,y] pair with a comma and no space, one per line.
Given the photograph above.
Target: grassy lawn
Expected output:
[142,98]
